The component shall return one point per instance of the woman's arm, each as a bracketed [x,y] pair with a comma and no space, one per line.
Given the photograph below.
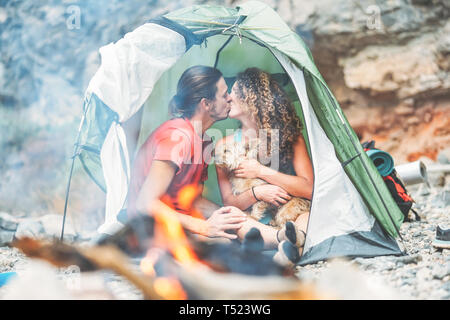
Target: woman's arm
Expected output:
[242,201]
[268,192]
[300,185]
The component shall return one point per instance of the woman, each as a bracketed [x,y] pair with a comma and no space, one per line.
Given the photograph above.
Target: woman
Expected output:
[259,103]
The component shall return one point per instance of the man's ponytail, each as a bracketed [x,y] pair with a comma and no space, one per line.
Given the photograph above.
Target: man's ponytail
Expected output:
[195,83]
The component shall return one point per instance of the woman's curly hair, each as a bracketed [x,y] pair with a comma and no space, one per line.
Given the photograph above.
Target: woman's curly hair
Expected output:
[271,107]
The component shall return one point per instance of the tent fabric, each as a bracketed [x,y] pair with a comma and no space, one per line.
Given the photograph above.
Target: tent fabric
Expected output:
[140,72]
[365,244]
[368,182]
[97,118]
[131,66]
[336,206]
[125,79]
[261,22]
[114,158]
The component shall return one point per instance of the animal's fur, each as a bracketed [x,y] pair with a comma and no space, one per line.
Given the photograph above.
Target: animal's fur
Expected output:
[229,155]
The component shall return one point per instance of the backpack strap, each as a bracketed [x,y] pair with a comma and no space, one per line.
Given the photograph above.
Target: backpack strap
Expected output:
[416,215]
[400,190]
[345,163]
[368,145]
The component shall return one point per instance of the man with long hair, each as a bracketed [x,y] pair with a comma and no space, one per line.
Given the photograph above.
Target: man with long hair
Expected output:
[172,156]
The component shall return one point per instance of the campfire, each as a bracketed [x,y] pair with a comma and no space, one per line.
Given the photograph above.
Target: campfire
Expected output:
[175,265]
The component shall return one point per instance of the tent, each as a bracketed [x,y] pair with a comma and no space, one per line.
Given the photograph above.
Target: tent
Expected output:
[352,212]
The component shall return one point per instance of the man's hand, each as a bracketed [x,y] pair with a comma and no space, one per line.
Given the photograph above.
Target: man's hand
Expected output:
[272,194]
[223,219]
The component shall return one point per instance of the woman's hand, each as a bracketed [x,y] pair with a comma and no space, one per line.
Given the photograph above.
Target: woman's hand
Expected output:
[223,219]
[249,169]
[272,194]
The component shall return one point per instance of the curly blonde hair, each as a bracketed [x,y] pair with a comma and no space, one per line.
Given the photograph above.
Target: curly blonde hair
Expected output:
[265,100]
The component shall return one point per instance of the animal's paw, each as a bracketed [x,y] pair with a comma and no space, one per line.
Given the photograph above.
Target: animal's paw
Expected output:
[258,210]
[257,215]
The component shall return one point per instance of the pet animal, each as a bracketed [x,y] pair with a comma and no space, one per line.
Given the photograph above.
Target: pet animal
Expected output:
[229,155]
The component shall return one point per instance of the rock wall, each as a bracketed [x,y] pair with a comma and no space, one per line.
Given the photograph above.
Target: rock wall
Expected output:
[388,64]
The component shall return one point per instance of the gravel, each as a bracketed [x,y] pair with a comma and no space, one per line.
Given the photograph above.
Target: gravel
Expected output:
[425,272]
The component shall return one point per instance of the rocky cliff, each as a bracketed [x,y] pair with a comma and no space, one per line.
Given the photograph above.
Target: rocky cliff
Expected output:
[388,64]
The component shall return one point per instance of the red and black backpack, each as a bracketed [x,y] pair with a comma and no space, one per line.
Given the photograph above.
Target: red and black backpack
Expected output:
[396,187]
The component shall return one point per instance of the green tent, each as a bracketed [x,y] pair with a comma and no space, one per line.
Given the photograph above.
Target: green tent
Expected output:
[352,212]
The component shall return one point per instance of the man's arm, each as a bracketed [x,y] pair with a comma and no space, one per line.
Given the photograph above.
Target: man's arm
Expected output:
[155,186]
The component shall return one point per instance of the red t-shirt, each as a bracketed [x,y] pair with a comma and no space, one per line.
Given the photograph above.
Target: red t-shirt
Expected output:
[176,141]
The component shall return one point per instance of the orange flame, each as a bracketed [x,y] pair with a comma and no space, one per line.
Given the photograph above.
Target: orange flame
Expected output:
[146,266]
[148,262]
[169,233]
[186,198]
[169,288]
[175,239]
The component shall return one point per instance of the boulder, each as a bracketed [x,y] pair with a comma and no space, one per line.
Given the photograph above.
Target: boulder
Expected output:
[6,237]
[46,227]
[410,70]
[52,224]
[8,222]
[31,228]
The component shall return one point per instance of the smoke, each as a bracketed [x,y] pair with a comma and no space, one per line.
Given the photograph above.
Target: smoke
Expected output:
[48,54]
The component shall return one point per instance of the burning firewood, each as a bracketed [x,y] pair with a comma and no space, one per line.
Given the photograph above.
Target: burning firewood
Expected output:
[135,237]
[199,281]
[57,253]
[177,266]
[88,259]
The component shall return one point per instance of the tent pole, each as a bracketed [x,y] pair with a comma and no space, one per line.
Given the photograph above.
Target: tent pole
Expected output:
[220,50]
[75,154]
[67,197]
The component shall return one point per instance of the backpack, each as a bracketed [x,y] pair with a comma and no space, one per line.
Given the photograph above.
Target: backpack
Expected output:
[397,188]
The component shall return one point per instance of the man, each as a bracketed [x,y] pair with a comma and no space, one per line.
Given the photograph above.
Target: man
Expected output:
[172,156]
